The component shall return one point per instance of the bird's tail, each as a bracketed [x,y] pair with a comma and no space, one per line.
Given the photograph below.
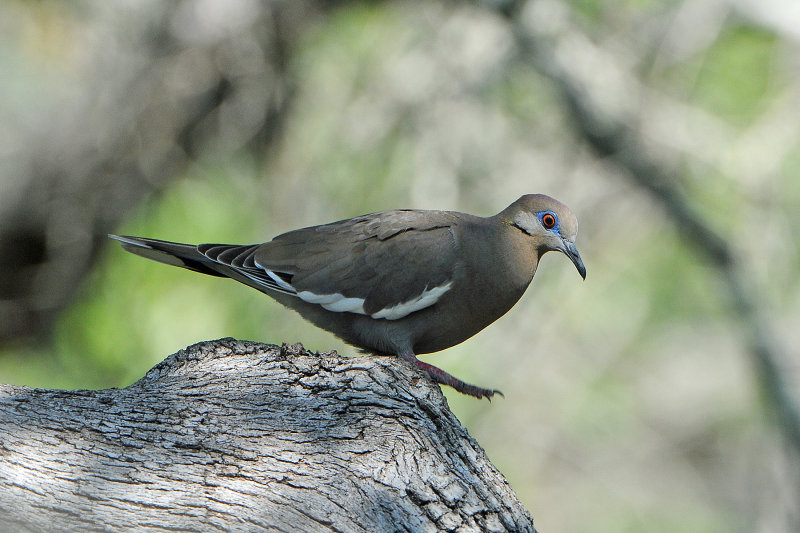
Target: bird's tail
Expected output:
[170,253]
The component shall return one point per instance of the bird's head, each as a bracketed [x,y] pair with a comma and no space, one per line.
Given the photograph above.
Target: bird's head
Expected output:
[549,223]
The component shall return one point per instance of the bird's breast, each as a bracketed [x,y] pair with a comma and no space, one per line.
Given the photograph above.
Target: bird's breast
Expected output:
[480,294]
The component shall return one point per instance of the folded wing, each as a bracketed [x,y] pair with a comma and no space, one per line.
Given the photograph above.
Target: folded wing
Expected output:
[386,265]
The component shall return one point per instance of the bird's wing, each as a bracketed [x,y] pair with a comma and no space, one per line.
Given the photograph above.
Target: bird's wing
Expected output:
[387,265]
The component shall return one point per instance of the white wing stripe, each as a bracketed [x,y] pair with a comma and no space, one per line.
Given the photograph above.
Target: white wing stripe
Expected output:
[426,299]
[321,299]
[353,305]
[339,303]
[334,302]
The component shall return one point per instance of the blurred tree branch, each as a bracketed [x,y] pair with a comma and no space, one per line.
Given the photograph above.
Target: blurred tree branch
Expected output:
[234,436]
[178,82]
[610,136]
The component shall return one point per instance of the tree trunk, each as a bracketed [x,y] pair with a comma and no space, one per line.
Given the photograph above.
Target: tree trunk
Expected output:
[239,436]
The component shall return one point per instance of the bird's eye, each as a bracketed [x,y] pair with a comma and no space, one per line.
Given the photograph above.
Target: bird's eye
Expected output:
[549,221]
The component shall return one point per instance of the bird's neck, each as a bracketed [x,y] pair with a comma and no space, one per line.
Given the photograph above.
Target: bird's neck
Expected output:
[507,262]
[518,256]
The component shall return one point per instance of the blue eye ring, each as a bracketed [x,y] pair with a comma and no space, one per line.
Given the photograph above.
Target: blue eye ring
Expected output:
[549,220]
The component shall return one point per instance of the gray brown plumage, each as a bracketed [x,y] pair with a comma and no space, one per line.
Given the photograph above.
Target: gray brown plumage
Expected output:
[402,282]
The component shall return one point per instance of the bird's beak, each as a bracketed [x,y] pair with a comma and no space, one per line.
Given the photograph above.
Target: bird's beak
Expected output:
[571,251]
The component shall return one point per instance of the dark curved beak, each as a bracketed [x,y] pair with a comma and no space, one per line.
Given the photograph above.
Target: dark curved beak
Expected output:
[571,251]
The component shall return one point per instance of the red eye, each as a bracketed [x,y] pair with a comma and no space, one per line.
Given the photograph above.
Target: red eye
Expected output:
[549,221]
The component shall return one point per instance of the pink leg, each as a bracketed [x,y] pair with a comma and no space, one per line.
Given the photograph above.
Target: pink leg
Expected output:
[440,376]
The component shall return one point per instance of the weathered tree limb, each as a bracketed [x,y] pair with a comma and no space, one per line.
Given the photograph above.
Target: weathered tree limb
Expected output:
[238,436]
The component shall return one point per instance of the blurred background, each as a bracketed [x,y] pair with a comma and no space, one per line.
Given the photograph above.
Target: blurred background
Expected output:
[659,395]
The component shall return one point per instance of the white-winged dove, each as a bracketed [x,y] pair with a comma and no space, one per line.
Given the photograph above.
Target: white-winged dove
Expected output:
[403,282]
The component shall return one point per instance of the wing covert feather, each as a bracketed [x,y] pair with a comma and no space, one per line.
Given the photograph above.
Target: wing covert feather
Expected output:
[385,258]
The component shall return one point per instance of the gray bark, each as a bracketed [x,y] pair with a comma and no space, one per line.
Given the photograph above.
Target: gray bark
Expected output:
[238,436]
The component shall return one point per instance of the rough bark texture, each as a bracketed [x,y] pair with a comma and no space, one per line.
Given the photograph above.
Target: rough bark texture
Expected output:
[240,436]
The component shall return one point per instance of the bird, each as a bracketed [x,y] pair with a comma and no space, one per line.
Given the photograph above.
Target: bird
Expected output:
[403,282]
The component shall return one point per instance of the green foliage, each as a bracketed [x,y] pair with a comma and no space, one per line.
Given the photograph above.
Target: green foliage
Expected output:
[736,74]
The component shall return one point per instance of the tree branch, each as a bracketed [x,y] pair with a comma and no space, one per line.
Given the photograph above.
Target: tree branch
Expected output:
[236,436]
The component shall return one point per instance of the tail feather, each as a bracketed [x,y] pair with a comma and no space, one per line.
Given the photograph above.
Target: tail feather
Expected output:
[170,253]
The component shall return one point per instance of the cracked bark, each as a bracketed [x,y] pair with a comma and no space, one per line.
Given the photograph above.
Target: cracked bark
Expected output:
[238,436]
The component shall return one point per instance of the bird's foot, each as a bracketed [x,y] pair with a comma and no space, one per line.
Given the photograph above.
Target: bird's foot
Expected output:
[440,376]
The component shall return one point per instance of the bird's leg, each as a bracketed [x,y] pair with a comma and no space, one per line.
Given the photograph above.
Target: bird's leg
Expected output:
[440,376]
